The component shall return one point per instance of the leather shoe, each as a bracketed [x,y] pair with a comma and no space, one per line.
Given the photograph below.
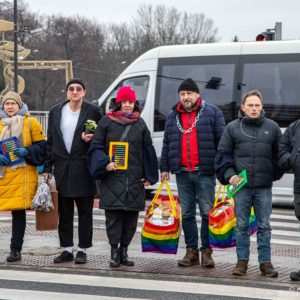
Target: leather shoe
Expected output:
[295,276]
[114,258]
[65,256]
[80,257]
[124,257]
[14,256]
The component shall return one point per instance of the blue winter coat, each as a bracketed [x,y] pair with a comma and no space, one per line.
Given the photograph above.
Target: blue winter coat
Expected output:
[210,127]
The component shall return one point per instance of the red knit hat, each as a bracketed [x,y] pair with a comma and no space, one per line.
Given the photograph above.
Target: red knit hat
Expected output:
[126,93]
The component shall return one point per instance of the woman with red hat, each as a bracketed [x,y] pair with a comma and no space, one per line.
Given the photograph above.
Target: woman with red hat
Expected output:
[122,193]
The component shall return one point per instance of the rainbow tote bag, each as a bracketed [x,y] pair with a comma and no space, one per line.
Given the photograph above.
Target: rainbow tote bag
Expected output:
[222,222]
[162,224]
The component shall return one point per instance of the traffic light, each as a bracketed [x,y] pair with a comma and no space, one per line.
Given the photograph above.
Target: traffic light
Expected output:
[270,35]
[273,34]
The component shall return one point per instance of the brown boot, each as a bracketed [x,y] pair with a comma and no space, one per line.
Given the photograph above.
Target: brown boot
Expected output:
[268,270]
[206,259]
[191,258]
[240,268]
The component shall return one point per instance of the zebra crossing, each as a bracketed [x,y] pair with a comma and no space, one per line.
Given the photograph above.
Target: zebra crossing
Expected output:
[285,226]
[59,285]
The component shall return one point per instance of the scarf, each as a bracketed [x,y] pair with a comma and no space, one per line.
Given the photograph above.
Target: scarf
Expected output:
[122,117]
[12,127]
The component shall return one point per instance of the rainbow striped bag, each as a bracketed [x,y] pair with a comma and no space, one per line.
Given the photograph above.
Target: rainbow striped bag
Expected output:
[222,222]
[162,224]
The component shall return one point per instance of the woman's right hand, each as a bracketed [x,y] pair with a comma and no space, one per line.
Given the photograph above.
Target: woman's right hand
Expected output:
[111,167]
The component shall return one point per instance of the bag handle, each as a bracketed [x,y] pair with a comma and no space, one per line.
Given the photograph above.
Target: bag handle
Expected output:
[218,195]
[172,201]
[125,132]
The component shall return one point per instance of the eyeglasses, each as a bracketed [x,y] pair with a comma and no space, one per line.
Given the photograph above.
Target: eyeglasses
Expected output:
[75,88]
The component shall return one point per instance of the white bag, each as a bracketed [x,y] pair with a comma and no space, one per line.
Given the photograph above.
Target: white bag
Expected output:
[42,200]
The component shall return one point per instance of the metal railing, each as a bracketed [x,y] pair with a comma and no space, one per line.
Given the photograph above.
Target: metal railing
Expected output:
[42,117]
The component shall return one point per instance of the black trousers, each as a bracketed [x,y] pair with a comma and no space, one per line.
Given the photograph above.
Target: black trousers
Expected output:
[66,219]
[121,226]
[18,229]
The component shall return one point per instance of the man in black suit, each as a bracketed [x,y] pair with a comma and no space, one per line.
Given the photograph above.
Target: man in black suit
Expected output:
[67,145]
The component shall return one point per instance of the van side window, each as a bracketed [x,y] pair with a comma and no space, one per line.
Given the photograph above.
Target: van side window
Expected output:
[279,84]
[139,84]
[172,72]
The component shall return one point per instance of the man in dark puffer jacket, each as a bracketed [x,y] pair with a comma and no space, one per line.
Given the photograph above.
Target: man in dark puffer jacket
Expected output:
[251,143]
[289,153]
[193,130]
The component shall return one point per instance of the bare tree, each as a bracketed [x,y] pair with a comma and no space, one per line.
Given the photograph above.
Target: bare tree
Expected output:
[167,26]
[99,52]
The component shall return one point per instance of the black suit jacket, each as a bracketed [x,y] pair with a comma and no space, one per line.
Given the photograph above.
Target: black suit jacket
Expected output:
[70,169]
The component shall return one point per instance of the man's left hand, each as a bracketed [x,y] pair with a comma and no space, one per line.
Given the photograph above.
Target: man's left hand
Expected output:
[87,137]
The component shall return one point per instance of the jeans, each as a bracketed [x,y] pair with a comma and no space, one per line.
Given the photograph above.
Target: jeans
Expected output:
[261,200]
[195,189]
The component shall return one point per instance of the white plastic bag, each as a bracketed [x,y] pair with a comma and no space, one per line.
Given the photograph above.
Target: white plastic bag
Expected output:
[42,200]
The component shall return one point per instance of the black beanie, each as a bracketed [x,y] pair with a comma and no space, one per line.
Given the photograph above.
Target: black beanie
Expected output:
[75,80]
[188,85]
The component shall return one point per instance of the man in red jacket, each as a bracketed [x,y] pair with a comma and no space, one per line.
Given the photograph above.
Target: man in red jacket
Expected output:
[193,130]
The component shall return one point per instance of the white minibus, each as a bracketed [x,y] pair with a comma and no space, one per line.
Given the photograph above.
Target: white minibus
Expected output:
[224,72]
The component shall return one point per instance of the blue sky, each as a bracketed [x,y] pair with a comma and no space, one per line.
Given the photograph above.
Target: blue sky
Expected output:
[244,18]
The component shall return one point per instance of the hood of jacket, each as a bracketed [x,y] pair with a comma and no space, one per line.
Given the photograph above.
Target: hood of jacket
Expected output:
[23,111]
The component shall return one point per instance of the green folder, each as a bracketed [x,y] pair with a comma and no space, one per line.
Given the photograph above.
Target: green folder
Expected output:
[232,189]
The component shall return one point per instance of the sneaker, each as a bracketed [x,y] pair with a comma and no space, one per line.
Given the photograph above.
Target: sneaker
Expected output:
[240,268]
[206,258]
[14,256]
[268,270]
[295,276]
[191,258]
[65,256]
[80,257]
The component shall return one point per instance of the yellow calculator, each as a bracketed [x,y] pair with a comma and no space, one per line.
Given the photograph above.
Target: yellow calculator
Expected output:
[118,153]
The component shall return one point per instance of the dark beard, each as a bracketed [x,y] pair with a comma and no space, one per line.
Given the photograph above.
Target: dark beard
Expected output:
[191,107]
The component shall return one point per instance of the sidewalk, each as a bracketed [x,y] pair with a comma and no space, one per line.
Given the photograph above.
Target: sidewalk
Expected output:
[41,247]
